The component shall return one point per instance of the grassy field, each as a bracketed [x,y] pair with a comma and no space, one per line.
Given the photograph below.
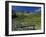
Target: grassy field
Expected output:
[29,19]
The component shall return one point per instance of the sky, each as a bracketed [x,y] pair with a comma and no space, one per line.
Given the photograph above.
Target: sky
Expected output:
[26,8]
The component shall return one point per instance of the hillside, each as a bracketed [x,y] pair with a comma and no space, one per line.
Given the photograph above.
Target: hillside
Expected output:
[30,19]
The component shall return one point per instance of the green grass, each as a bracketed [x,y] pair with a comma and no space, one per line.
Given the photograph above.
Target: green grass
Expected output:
[32,19]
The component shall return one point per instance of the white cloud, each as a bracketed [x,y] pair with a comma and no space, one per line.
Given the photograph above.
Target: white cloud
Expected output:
[38,10]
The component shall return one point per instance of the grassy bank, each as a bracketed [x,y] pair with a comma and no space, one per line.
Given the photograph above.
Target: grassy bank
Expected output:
[28,19]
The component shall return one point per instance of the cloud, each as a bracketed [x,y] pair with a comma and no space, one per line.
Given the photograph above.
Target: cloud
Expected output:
[38,10]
